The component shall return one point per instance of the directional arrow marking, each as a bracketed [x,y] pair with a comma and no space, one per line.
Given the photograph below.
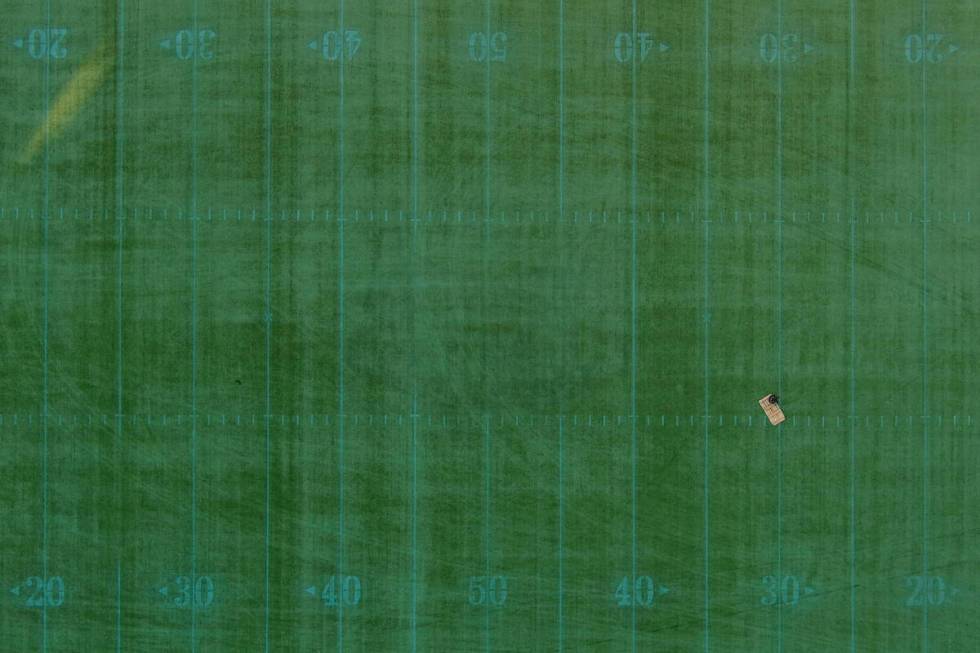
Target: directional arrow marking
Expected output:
[15,591]
[165,44]
[311,590]
[809,590]
[164,590]
[664,47]
[663,589]
[312,45]
[807,48]
[19,43]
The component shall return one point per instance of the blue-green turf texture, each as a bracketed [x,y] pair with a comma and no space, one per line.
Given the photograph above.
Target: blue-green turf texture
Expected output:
[489,289]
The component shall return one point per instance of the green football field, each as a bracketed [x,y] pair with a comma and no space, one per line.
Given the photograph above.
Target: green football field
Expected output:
[441,325]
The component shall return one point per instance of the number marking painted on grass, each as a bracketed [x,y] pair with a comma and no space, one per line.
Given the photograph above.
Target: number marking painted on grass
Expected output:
[41,43]
[186,592]
[190,44]
[349,591]
[487,46]
[789,591]
[484,590]
[331,45]
[642,592]
[35,592]
[928,591]
[624,48]
[790,49]
[933,48]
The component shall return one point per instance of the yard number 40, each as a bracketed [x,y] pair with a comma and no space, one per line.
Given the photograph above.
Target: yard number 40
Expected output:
[641,592]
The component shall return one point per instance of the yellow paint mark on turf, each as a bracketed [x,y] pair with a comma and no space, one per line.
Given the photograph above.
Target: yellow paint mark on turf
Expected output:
[70,101]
